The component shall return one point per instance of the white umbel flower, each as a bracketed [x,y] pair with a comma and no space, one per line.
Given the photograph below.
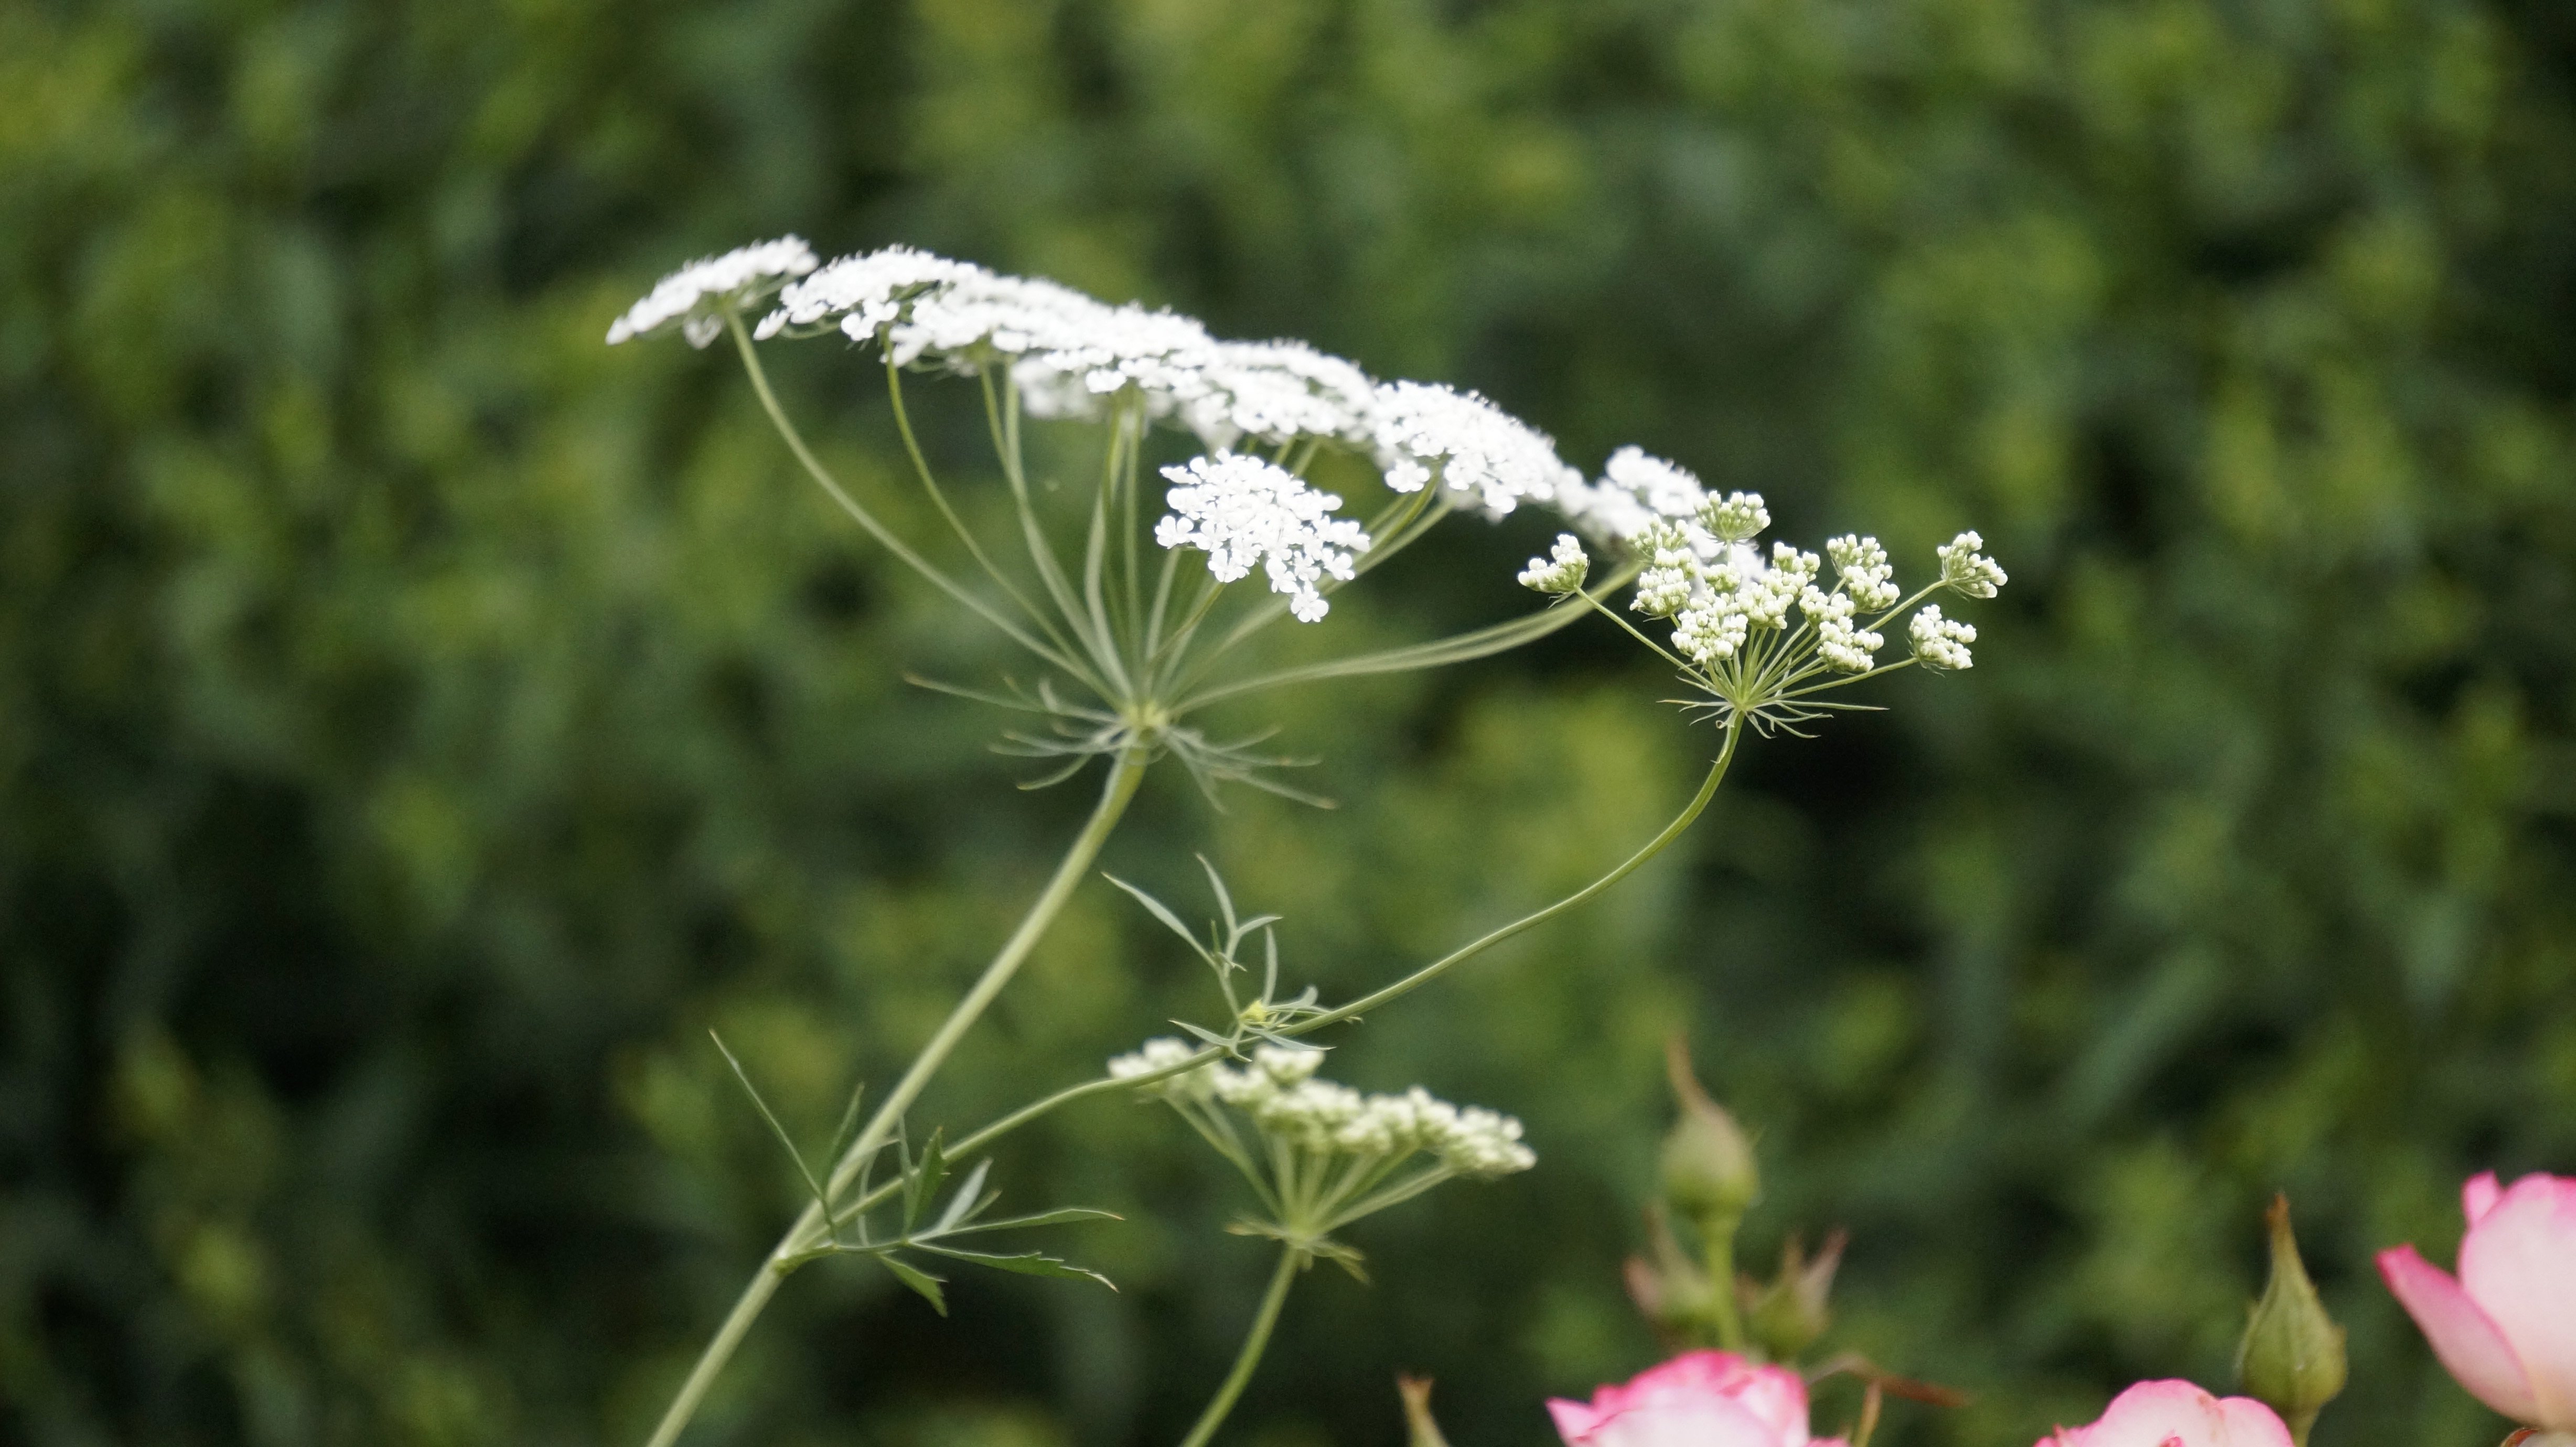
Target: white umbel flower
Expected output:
[1163,1053]
[864,293]
[1672,570]
[696,297]
[1738,517]
[1942,642]
[1968,571]
[1279,1092]
[1861,563]
[1423,430]
[1243,511]
[1277,391]
[1712,629]
[1071,354]
[1844,645]
[1561,571]
[1638,491]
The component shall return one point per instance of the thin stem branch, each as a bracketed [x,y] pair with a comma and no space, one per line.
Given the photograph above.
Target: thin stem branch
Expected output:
[1254,1342]
[1438,967]
[939,496]
[868,520]
[1100,1085]
[1717,1248]
[811,1226]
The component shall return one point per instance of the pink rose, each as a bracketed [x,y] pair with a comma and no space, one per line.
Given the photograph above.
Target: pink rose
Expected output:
[1698,1399]
[2507,1327]
[2161,1414]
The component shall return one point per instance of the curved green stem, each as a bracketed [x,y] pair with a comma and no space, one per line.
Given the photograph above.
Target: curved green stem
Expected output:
[1124,777]
[1438,967]
[1254,1343]
[985,1135]
[957,524]
[831,485]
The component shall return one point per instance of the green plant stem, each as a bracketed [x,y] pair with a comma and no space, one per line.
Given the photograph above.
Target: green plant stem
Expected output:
[1254,1343]
[1717,1246]
[1124,777]
[1432,971]
[840,495]
[983,1136]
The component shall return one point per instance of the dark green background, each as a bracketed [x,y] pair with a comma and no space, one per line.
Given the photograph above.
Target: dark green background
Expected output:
[419,722]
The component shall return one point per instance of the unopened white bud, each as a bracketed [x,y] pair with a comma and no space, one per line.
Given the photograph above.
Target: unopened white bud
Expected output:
[1736,518]
[1561,571]
[1968,571]
[1941,642]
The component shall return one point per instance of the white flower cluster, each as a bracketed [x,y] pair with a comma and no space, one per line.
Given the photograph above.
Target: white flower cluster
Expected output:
[695,297]
[1159,1054]
[1278,1091]
[1866,573]
[1971,572]
[1422,430]
[1942,642]
[1636,492]
[1562,570]
[1070,353]
[1703,572]
[1243,511]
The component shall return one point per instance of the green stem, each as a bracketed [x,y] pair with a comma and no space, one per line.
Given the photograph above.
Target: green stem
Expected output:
[1717,1245]
[1432,971]
[1124,776]
[984,1136]
[957,524]
[823,477]
[1290,1259]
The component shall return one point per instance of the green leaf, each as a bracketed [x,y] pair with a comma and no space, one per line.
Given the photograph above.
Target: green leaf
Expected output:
[1224,900]
[1027,1263]
[1170,921]
[919,1280]
[775,1128]
[965,1202]
[1042,1218]
[922,1185]
[848,1129]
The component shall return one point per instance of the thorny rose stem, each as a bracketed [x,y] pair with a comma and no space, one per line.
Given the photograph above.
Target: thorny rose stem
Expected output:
[1124,776]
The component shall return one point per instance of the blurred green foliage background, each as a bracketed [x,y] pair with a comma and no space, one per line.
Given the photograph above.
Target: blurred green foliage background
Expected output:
[420,722]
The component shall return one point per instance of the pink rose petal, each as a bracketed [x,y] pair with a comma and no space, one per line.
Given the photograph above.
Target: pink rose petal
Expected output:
[2468,1342]
[2478,1196]
[2519,1265]
[2158,1414]
[1698,1399]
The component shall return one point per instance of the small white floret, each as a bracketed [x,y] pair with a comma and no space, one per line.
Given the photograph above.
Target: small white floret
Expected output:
[1969,571]
[1736,518]
[1561,571]
[1861,563]
[1941,642]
